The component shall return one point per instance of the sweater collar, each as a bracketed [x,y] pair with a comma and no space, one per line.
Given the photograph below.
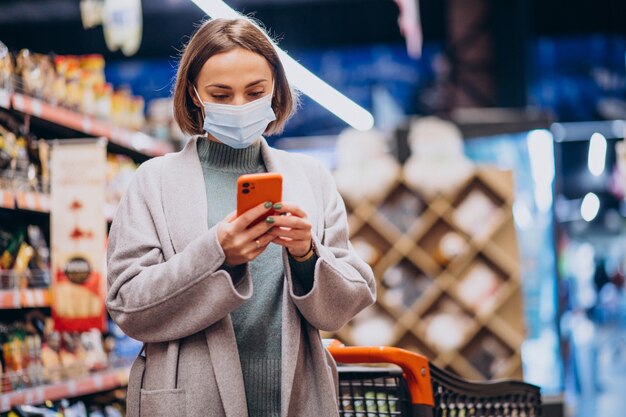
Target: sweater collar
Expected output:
[222,157]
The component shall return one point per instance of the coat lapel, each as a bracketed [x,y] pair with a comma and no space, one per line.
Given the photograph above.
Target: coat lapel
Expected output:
[184,196]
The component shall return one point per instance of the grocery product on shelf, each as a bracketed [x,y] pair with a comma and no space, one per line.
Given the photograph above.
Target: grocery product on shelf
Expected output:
[33,353]
[108,404]
[6,68]
[478,287]
[476,214]
[24,256]
[77,83]
[437,163]
[23,158]
[161,123]
[364,168]
[120,170]
[24,166]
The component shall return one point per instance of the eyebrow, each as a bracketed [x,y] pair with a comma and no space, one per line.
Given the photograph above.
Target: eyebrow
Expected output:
[227,87]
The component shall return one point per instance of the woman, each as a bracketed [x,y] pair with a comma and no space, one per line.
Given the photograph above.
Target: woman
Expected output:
[230,315]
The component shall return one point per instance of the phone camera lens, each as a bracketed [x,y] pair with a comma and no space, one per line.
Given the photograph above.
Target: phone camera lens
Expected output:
[246,184]
[245,191]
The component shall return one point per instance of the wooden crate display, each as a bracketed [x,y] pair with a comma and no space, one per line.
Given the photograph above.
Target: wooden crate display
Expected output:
[448,275]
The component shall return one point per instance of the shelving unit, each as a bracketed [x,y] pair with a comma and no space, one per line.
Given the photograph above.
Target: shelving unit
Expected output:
[448,275]
[19,292]
[93,383]
[24,298]
[132,140]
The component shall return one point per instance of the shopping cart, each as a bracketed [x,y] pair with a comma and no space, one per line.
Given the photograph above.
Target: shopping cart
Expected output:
[420,389]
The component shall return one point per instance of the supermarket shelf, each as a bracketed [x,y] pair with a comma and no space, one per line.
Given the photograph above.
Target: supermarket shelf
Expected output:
[24,298]
[32,201]
[96,382]
[25,200]
[5,98]
[129,139]
[38,202]
[7,199]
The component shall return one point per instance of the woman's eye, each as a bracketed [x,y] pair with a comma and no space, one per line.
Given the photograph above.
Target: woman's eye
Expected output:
[257,93]
[220,96]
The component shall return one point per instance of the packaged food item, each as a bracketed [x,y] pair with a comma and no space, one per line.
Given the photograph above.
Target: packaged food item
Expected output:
[102,96]
[7,258]
[6,68]
[22,259]
[44,157]
[450,246]
[40,262]
[6,235]
[95,356]
[45,65]
[137,109]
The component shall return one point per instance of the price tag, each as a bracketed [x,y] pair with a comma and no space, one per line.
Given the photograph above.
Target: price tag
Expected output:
[5,98]
[6,199]
[39,298]
[15,298]
[37,110]
[98,381]
[44,200]
[71,387]
[18,102]
[29,397]
[40,396]
[5,400]
[87,124]
[31,201]
[29,297]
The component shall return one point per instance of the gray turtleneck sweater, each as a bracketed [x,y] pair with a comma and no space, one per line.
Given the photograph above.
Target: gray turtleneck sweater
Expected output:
[257,322]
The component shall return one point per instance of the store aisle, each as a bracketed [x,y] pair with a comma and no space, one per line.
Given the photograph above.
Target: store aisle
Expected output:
[609,397]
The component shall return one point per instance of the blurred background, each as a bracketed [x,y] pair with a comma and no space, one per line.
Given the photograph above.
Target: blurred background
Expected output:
[506,115]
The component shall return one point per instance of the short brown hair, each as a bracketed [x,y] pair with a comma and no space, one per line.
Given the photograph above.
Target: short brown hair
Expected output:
[222,35]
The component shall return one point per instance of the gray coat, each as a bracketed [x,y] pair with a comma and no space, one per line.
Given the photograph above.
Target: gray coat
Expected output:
[166,289]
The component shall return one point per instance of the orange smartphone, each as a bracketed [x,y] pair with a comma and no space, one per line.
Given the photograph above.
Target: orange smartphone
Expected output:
[254,189]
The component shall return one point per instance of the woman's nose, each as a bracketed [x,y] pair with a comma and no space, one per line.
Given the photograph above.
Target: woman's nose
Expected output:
[238,100]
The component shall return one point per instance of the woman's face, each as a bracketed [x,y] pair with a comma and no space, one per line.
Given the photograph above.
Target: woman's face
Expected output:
[236,77]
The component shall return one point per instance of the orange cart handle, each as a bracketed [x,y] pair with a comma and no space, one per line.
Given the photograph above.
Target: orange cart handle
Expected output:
[414,366]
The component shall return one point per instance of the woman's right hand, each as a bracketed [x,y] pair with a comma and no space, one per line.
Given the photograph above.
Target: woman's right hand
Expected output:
[240,244]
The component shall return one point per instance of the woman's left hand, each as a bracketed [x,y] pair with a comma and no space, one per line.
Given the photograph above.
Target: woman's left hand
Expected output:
[291,229]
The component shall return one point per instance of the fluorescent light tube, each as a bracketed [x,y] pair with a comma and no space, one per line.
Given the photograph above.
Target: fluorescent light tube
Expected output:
[597,154]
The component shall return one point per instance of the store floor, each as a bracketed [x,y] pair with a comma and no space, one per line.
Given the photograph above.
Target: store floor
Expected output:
[604,395]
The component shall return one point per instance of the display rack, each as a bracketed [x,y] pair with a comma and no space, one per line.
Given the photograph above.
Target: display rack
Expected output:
[22,290]
[132,140]
[93,383]
[448,275]
[24,298]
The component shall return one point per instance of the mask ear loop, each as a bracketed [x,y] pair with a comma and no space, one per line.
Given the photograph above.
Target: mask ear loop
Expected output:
[200,100]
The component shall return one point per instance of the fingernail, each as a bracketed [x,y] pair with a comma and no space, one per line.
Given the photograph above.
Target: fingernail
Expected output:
[278,206]
[270,220]
[268,205]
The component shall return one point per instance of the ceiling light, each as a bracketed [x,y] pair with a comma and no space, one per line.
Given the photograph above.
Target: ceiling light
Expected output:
[597,154]
[590,207]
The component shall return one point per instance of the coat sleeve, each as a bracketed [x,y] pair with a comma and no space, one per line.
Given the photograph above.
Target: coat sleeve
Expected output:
[157,300]
[343,284]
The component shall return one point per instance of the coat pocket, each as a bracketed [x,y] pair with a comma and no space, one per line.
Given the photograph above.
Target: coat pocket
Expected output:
[163,403]
[134,386]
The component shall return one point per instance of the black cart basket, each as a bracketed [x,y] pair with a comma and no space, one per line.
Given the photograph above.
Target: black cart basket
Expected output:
[416,388]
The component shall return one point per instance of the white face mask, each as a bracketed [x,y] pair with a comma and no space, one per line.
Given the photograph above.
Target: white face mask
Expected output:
[238,126]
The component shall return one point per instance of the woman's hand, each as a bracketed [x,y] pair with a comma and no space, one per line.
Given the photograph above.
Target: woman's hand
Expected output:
[240,244]
[291,229]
